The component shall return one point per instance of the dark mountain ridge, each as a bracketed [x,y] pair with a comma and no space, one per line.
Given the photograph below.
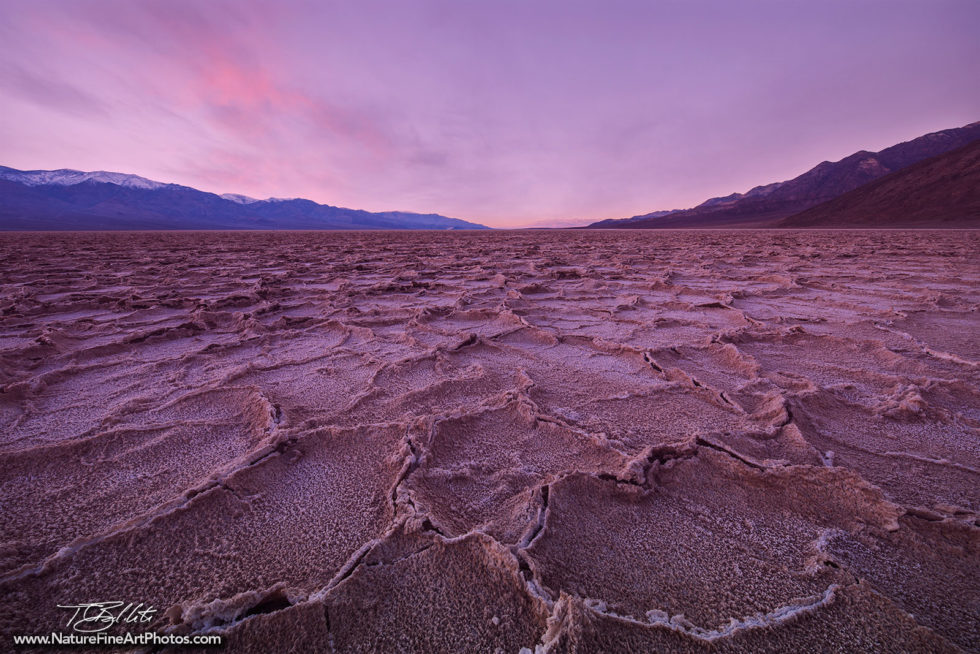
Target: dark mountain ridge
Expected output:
[765,206]
[942,191]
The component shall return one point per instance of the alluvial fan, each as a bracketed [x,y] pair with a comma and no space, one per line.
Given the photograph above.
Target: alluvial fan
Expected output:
[559,441]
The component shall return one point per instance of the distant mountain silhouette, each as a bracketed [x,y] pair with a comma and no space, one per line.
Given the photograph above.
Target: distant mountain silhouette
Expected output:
[766,206]
[942,191]
[75,200]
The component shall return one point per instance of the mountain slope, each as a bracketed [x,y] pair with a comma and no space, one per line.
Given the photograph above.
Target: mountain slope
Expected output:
[619,222]
[75,200]
[942,191]
[767,205]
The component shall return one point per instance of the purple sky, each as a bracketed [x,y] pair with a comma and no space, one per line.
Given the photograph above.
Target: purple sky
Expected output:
[504,112]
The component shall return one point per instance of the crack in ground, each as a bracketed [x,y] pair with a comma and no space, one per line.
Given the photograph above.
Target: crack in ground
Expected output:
[163,509]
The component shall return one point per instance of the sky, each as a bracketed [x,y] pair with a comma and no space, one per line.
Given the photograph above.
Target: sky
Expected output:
[505,112]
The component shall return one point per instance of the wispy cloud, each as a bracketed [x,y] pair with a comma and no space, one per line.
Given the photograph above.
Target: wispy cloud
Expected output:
[48,90]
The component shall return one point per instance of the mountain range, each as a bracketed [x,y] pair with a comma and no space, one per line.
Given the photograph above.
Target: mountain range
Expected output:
[945,182]
[76,200]
[930,181]
[942,191]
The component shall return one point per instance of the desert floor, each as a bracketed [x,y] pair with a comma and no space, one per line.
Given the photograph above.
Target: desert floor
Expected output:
[488,441]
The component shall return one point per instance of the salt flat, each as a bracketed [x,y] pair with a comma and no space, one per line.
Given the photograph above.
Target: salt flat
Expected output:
[485,441]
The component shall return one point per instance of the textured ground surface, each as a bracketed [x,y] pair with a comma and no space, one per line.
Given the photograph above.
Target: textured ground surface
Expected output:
[569,441]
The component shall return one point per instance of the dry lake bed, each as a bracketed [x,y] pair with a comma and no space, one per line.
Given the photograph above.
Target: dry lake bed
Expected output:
[566,441]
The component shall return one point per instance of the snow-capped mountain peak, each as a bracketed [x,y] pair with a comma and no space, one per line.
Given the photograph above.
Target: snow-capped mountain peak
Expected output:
[69,177]
[239,198]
